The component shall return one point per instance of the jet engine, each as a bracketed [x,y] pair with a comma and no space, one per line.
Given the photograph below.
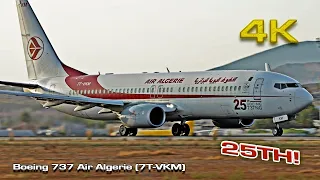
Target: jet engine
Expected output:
[233,123]
[143,116]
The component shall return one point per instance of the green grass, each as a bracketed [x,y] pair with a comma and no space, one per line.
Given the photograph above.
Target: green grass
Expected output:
[295,131]
[258,131]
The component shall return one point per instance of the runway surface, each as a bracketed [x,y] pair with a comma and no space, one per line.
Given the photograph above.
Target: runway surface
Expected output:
[262,138]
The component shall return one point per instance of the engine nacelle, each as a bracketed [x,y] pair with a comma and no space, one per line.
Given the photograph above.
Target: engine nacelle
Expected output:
[143,116]
[233,123]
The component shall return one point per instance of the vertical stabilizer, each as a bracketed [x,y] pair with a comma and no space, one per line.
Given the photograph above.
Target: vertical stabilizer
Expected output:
[41,59]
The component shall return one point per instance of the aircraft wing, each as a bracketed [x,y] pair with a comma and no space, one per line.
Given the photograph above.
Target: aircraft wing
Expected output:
[18,84]
[66,99]
[78,100]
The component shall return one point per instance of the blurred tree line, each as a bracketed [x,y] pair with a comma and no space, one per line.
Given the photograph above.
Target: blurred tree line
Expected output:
[27,117]
[304,120]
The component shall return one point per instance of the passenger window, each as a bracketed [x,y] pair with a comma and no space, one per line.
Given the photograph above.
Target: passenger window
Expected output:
[214,88]
[142,90]
[171,89]
[183,89]
[131,90]
[159,90]
[222,88]
[196,89]
[179,89]
[218,89]
[104,91]
[230,88]
[200,89]
[147,90]
[85,92]
[164,89]
[205,89]
[128,90]
[188,88]
[239,88]
[235,88]
[152,90]
[192,88]
[135,90]
[115,91]
[80,91]
[226,88]
[167,89]
[210,88]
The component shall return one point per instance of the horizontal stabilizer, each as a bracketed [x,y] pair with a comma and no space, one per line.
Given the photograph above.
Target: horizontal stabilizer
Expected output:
[18,84]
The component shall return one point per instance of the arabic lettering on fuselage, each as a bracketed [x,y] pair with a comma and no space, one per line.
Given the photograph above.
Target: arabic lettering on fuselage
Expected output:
[164,81]
[211,80]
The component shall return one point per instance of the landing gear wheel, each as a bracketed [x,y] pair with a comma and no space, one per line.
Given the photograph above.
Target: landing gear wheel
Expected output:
[185,130]
[176,129]
[133,131]
[123,131]
[278,131]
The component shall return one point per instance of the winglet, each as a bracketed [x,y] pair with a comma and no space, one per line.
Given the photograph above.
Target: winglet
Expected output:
[267,67]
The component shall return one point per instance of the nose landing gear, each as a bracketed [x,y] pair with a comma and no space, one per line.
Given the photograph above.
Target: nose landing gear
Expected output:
[277,131]
[182,129]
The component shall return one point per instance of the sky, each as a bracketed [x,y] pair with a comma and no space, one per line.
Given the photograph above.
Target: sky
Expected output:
[134,36]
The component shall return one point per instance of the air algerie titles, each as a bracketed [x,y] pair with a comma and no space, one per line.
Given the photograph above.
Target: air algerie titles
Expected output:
[206,80]
[165,81]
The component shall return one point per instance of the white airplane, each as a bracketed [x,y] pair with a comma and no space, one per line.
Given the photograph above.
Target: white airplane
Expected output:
[233,99]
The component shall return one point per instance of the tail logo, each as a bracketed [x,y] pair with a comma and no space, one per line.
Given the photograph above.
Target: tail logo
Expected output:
[35,48]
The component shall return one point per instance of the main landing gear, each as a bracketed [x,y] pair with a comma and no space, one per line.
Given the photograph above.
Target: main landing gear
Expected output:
[277,131]
[124,131]
[182,129]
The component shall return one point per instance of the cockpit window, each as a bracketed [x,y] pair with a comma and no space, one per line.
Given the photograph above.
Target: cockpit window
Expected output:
[277,85]
[286,85]
[292,85]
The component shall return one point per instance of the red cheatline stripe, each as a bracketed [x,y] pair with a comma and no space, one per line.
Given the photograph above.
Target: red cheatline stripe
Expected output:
[164,96]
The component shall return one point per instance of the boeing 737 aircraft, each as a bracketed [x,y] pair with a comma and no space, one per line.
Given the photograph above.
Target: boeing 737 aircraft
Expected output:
[232,99]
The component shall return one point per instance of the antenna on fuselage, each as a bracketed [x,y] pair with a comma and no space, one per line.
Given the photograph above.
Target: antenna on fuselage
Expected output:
[267,67]
[168,70]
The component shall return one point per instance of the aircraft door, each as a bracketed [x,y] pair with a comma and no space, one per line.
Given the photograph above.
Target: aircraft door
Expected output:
[257,89]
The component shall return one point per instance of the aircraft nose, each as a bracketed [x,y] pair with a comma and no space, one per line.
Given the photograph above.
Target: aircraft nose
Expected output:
[303,99]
